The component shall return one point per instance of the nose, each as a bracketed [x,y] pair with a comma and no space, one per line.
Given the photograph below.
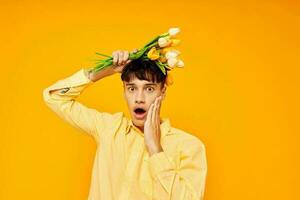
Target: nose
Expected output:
[140,98]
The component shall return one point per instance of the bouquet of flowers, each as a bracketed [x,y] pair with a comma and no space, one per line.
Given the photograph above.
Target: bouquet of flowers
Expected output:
[161,50]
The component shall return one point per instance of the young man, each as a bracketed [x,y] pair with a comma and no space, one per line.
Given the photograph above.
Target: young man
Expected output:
[142,158]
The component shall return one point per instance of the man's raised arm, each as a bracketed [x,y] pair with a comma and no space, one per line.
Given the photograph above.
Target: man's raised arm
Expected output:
[61,96]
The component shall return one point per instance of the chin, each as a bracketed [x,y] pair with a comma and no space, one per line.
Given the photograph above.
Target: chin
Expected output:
[138,122]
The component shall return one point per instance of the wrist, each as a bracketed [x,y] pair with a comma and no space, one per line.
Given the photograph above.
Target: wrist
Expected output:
[155,149]
[95,76]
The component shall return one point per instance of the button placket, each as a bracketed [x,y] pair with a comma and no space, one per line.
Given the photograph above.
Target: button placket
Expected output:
[136,153]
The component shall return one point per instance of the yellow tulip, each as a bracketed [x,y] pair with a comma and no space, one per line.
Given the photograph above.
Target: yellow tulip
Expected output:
[153,54]
[175,42]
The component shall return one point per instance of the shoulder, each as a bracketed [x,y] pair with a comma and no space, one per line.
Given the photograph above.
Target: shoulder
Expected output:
[186,140]
[107,121]
[108,117]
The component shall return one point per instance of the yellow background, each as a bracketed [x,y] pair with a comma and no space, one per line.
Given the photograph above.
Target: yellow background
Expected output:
[239,90]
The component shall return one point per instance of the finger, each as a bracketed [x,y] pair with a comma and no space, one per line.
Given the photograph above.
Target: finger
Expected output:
[149,114]
[158,110]
[153,116]
[157,118]
[120,58]
[159,106]
[115,57]
[125,56]
[127,62]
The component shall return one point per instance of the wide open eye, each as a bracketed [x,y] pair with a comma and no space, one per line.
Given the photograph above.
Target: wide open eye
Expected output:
[150,89]
[130,89]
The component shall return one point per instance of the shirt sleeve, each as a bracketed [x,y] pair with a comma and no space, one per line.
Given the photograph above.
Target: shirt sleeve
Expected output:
[183,182]
[61,96]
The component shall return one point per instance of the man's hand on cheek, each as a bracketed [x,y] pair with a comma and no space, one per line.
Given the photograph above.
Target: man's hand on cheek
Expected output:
[152,127]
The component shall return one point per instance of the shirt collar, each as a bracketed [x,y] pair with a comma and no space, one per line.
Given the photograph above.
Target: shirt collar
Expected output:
[165,127]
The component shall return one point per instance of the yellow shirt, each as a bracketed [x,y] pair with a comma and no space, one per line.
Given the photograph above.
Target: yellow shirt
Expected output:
[122,168]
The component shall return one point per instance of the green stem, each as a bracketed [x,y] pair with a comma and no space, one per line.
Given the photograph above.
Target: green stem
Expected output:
[101,54]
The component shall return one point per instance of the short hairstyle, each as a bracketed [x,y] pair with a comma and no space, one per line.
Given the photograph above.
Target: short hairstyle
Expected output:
[143,70]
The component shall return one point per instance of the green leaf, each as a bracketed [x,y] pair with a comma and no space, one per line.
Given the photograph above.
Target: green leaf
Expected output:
[107,64]
[102,54]
[140,53]
[153,40]
[164,35]
[100,61]
[161,67]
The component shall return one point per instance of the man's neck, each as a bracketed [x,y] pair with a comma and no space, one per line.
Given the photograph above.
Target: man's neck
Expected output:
[141,128]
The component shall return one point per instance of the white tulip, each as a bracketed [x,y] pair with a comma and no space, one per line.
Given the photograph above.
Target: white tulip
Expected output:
[172,62]
[180,63]
[172,54]
[173,31]
[163,42]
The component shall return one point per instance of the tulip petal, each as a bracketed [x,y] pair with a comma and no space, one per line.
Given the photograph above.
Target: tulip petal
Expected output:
[180,63]
[173,31]
[172,62]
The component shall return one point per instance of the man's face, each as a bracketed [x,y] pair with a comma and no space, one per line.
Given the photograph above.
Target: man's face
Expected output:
[140,94]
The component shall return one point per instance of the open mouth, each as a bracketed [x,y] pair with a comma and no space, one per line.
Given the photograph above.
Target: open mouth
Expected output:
[140,113]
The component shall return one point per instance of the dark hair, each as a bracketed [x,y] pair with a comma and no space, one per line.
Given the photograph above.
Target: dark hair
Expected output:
[143,70]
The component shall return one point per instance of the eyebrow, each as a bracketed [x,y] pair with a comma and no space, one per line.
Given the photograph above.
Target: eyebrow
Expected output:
[147,84]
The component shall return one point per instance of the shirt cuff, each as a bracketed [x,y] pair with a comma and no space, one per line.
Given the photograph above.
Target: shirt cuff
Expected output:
[160,162]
